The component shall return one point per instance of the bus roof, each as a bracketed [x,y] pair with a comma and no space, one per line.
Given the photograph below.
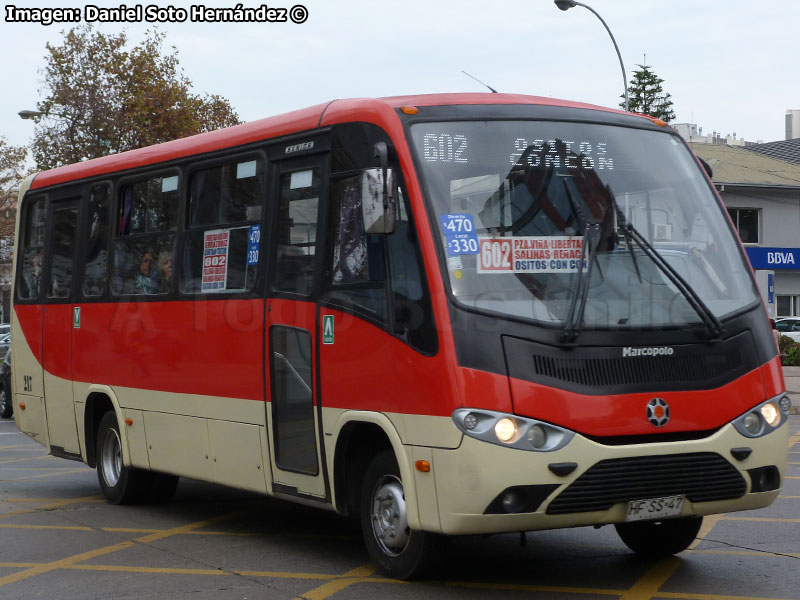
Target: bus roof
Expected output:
[336,111]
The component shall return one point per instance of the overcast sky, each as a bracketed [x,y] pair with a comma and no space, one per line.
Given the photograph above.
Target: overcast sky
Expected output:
[730,65]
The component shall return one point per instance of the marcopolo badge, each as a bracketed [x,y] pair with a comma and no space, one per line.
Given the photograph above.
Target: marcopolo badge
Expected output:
[658,412]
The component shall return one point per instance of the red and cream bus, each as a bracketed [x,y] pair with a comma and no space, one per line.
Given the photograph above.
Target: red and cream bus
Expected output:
[448,314]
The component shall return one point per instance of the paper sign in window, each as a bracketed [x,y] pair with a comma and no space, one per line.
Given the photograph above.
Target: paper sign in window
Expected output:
[246,169]
[215,260]
[300,179]
[169,184]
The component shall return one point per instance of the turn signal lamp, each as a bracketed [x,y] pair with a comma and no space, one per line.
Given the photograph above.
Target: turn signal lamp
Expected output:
[409,110]
[423,466]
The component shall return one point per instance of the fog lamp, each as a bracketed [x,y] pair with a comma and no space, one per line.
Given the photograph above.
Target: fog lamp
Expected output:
[513,501]
[506,430]
[771,414]
[536,436]
[786,405]
[470,421]
[752,423]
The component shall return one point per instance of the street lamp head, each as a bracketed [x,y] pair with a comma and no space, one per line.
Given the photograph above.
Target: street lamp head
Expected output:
[565,4]
[30,114]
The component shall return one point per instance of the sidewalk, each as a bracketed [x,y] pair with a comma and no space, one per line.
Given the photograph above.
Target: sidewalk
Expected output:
[792,377]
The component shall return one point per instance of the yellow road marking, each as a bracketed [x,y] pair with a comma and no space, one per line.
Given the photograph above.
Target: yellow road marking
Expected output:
[513,587]
[53,527]
[794,439]
[747,553]
[56,504]
[792,497]
[183,529]
[326,590]
[63,472]
[762,519]
[125,569]
[656,576]
[71,561]
[63,563]
[8,461]
[684,596]
[708,524]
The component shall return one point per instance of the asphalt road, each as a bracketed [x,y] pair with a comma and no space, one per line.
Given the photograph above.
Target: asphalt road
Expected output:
[59,540]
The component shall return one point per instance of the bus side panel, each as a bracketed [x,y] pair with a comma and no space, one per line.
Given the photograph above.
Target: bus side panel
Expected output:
[367,369]
[58,400]
[209,348]
[28,382]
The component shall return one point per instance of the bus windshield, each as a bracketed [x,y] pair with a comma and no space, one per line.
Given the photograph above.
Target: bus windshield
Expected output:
[525,209]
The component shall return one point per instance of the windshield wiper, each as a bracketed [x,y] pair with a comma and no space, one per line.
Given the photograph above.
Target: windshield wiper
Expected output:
[701,308]
[591,239]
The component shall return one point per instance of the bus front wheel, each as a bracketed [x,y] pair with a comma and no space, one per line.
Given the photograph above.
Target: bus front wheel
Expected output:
[397,550]
[120,484]
[660,538]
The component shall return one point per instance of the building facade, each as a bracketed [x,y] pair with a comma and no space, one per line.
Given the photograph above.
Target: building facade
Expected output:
[762,196]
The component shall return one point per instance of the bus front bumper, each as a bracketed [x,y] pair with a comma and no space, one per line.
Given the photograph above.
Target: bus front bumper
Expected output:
[471,481]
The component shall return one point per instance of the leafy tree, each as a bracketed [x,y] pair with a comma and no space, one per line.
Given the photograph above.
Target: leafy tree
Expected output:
[647,96]
[102,97]
[12,171]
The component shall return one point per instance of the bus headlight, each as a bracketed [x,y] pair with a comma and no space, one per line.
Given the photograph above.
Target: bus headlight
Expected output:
[506,430]
[510,430]
[763,419]
[771,413]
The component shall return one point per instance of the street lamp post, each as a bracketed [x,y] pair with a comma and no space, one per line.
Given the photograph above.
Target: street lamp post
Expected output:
[30,114]
[567,4]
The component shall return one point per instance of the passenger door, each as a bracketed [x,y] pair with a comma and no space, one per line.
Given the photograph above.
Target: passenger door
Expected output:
[59,320]
[294,408]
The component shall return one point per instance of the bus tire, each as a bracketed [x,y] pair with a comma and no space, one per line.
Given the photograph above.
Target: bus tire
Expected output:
[120,484]
[660,538]
[396,549]
[6,408]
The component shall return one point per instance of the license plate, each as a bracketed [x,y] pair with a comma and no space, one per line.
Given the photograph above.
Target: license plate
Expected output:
[654,508]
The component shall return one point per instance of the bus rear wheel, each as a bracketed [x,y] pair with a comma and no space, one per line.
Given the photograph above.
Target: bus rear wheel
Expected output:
[660,538]
[396,549]
[120,484]
[6,408]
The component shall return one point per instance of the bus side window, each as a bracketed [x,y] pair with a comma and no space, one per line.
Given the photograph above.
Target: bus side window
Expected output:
[65,224]
[412,317]
[145,242]
[297,231]
[358,269]
[223,242]
[94,278]
[32,250]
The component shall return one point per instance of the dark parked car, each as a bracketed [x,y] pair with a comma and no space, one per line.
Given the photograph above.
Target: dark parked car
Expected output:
[6,408]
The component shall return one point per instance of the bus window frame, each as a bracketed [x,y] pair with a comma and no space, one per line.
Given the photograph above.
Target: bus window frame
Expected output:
[30,197]
[83,214]
[319,157]
[177,169]
[63,201]
[263,175]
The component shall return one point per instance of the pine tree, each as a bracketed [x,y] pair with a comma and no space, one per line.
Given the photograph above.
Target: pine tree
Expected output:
[647,96]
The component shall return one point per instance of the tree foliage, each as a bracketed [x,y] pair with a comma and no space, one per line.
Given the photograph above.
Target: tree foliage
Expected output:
[646,95]
[101,97]
[12,171]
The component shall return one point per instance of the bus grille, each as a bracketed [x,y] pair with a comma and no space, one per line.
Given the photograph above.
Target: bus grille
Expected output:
[604,372]
[701,476]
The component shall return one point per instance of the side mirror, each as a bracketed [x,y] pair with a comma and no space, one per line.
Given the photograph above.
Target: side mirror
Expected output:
[377,200]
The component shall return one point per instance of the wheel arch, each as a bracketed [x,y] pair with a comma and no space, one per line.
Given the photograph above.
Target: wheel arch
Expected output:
[101,399]
[360,436]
